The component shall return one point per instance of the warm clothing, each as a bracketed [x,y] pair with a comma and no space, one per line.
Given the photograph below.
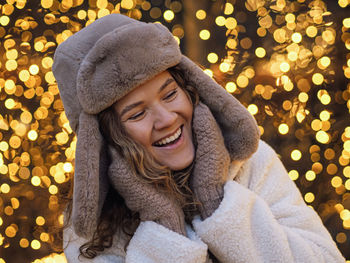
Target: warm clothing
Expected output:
[99,65]
[262,218]
[212,161]
[144,198]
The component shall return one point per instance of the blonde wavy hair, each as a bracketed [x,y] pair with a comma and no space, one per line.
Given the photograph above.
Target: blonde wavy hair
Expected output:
[115,215]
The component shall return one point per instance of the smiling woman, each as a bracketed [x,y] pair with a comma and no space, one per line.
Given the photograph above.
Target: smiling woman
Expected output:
[168,166]
[167,92]
[161,110]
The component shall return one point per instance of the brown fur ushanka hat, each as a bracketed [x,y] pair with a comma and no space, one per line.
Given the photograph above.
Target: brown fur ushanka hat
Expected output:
[99,65]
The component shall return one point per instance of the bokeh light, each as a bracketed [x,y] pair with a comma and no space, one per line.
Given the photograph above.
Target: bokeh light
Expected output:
[288,62]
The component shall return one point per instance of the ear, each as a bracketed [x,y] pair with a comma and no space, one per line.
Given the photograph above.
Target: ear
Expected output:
[90,178]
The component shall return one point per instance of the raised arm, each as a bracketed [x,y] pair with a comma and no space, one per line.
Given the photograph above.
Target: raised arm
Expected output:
[263,218]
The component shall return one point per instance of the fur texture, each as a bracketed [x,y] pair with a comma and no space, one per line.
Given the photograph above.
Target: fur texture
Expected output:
[70,54]
[182,249]
[238,126]
[122,60]
[212,161]
[107,59]
[89,183]
[144,198]
[262,218]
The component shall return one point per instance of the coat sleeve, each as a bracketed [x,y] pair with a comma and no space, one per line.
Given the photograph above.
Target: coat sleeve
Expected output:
[153,243]
[267,220]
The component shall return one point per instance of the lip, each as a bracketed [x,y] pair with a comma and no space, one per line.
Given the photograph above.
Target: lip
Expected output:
[170,134]
[177,144]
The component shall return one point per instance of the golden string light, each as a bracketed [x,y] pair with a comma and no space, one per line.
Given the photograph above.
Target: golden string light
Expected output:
[300,65]
[284,71]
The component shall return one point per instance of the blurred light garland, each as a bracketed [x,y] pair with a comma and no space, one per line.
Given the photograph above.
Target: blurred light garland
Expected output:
[283,71]
[296,63]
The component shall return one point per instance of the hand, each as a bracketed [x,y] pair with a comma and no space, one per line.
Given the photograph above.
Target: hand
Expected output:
[212,161]
[140,196]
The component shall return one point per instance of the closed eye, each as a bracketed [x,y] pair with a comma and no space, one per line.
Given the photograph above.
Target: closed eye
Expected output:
[137,115]
[171,95]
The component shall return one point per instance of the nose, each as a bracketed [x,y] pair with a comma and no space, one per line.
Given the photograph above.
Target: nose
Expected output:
[164,117]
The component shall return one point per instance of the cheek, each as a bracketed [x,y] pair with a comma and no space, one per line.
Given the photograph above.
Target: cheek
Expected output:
[186,106]
[188,111]
[139,132]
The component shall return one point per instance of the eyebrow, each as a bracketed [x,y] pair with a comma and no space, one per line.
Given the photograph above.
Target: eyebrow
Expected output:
[133,105]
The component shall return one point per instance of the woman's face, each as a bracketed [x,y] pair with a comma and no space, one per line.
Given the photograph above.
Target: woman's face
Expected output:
[158,115]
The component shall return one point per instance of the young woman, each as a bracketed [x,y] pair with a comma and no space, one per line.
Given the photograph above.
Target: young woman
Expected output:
[169,167]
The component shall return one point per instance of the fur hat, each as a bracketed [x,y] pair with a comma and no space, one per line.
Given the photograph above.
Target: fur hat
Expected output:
[99,65]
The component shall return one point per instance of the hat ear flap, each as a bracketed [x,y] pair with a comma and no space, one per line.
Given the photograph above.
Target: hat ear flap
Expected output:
[238,126]
[90,178]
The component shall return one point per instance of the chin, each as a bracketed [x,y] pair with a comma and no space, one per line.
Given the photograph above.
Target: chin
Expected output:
[181,165]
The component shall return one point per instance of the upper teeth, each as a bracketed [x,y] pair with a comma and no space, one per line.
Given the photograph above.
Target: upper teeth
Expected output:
[170,139]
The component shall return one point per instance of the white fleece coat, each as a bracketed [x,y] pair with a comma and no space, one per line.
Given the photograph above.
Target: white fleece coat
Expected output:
[262,218]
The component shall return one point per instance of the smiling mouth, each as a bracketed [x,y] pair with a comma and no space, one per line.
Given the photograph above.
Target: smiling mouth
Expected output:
[170,140]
